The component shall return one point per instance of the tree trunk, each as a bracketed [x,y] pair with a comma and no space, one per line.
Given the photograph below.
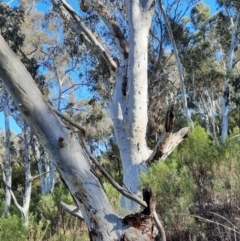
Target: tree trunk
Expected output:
[226,91]
[130,99]
[28,176]
[7,163]
[46,168]
[69,156]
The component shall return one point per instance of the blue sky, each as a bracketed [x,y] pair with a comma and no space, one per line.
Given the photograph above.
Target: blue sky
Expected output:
[42,7]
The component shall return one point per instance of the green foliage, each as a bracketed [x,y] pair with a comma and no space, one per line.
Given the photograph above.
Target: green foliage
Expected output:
[10,22]
[200,14]
[172,189]
[37,230]
[49,222]
[11,228]
[113,195]
[198,174]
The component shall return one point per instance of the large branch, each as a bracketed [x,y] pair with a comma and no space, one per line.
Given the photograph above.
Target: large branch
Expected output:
[65,9]
[112,25]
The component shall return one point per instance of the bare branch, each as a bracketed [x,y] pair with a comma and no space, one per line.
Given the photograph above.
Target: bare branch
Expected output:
[73,210]
[166,144]
[83,131]
[111,63]
[32,178]
[122,190]
[159,225]
[210,221]
[119,37]
[178,62]
[10,190]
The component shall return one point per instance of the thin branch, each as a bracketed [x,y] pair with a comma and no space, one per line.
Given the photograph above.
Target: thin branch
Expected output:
[159,225]
[117,33]
[89,35]
[32,178]
[234,64]
[33,51]
[216,214]
[208,221]
[178,62]
[122,190]
[234,136]
[83,131]
[72,87]
[10,190]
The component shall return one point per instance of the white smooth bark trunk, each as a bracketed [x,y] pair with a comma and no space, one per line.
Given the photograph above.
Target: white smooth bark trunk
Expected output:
[50,173]
[69,157]
[226,91]
[37,155]
[7,166]
[130,99]
[28,177]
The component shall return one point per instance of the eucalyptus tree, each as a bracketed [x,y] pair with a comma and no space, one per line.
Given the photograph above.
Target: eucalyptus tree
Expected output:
[26,191]
[209,54]
[10,22]
[7,160]
[118,43]
[203,70]
[229,18]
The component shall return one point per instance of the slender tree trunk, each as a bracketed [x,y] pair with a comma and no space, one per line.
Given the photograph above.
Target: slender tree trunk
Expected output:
[50,173]
[7,166]
[28,176]
[226,91]
[179,66]
[46,168]
[36,152]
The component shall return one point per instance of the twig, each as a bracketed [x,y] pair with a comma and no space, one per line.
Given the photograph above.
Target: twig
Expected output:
[32,178]
[83,131]
[112,64]
[209,221]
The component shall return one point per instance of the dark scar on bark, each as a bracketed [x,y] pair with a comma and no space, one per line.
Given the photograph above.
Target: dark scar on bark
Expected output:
[61,142]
